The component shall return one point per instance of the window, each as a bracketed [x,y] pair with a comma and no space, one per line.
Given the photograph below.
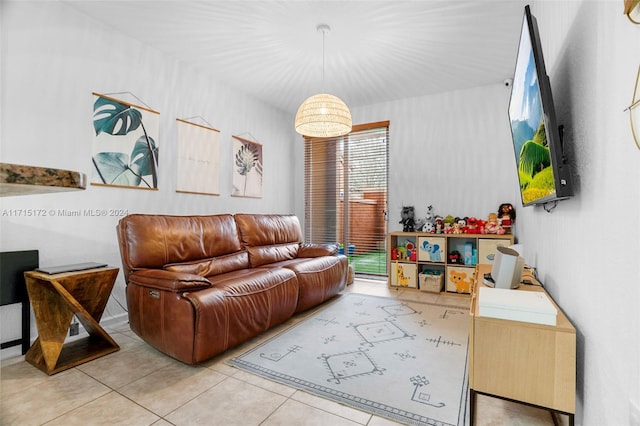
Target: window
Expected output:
[346,194]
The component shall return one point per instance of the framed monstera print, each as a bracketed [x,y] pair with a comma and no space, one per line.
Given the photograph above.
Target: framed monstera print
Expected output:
[125,144]
[247,168]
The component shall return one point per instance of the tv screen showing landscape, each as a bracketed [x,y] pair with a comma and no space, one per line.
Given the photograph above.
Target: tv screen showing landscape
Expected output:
[533,156]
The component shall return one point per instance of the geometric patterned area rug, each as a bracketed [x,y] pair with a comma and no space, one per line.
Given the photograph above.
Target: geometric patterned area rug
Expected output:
[403,360]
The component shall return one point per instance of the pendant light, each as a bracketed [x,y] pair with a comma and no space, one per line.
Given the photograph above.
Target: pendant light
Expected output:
[323,115]
[632,10]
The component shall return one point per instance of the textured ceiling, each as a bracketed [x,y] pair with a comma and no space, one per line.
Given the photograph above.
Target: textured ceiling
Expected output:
[376,51]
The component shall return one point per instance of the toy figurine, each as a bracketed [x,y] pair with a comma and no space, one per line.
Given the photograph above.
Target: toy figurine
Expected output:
[439,225]
[448,224]
[414,255]
[506,216]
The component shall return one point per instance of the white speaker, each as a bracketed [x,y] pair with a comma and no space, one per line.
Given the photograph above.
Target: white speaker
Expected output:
[507,268]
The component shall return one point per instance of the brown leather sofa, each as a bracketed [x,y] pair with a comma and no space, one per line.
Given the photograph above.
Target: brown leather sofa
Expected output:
[199,285]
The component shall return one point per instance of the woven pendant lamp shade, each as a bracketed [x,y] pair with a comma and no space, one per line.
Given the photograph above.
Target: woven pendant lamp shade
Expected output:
[323,116]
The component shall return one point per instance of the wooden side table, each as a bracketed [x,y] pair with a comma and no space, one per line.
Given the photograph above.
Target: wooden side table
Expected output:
[55,299]
[524,362]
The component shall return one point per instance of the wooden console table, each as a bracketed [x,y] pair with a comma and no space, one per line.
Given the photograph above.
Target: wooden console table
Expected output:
[520,361]
[55,299]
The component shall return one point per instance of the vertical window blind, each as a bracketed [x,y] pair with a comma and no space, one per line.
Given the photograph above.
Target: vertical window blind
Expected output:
[346,194]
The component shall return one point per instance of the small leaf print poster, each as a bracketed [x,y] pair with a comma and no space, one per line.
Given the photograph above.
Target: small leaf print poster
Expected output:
[247,168]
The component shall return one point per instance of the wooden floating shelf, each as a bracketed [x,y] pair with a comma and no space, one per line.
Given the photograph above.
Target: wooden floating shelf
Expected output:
[16,179]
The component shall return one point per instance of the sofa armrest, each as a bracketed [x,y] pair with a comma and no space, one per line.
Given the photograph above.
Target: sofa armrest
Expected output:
[168,280]
[317,250]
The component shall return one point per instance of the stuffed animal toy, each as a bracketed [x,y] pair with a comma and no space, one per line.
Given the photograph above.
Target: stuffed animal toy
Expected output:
[462,222]
[472,226]
[430,217]
[408,219]
[428,223]
[457,229]
[448,224]
[492,226]
[454,257]
[482,226]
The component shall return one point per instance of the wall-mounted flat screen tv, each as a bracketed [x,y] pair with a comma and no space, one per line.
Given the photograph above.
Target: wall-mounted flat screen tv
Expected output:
[543,172]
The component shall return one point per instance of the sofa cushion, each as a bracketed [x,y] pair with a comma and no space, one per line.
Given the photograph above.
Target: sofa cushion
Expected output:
[153,241]
[269,238]
[214,266]
[241,305]
[264,255]
[319,279]
[317,250]
[168,280]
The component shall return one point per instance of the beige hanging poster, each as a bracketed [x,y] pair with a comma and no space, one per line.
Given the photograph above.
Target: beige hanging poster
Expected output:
[198,159]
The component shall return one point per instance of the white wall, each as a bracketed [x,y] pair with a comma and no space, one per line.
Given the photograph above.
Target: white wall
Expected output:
[450,150]
[53,58]
[587,249]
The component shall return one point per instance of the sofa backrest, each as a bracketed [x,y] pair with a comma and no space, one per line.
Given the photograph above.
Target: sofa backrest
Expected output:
[205,245]
[269,238]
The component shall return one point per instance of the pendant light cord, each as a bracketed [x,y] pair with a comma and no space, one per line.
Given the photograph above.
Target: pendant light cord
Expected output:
[324,28]
[323,61]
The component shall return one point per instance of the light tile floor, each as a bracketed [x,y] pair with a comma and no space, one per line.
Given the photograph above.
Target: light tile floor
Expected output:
[140,386]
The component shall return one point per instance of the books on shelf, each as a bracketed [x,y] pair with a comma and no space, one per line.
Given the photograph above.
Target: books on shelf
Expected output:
[516,305]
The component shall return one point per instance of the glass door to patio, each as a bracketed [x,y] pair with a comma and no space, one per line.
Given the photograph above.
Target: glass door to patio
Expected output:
[346,195]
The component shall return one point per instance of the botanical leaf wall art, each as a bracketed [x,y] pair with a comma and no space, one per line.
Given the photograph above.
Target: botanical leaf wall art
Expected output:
[125,144]
[247,168]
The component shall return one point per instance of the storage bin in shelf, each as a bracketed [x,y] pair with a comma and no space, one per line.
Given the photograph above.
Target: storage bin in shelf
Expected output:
[431,281]
[487,248]
[431,249]
[459,279]
[404,274]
